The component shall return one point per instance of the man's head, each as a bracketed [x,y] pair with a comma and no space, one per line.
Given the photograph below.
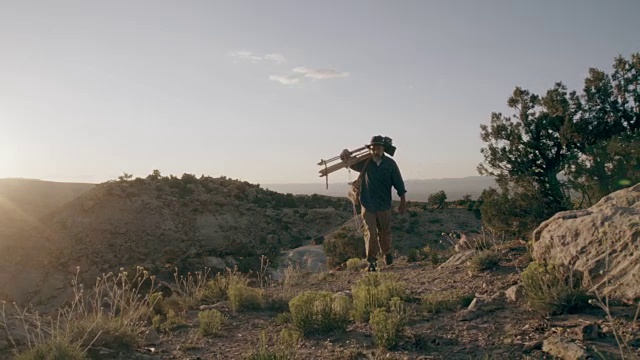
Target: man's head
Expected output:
[376,146]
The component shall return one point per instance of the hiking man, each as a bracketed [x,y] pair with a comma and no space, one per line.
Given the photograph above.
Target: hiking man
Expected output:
[380,173]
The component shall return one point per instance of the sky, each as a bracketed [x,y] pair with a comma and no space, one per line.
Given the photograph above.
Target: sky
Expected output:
[263,90]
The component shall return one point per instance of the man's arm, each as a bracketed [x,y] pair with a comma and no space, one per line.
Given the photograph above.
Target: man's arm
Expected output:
[398,184]
[346,155]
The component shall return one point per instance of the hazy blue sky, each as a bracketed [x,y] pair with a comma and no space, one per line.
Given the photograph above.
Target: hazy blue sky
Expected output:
[262,90]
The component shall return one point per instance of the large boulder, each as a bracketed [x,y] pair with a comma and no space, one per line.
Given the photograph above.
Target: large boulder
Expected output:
[602,242]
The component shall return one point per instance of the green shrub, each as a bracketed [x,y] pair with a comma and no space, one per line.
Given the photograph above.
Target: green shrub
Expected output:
[319,312]
[216,289]
[388,325]
[485,260]
[211,322]
[167,323]
[447,300]
[243,297]
[284,349]
[553,289]
[344,245]
[375,290]
[156,300]
[414,255]
[354,265]
[283,318]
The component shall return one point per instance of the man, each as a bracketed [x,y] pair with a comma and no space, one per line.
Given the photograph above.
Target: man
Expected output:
[380,174]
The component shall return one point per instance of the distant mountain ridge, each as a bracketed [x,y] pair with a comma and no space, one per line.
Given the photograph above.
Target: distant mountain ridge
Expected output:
[417,190]
[34,198]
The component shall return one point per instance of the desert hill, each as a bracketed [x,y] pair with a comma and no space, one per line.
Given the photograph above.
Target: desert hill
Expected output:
[163,223]
[470,302]
[37,197]
[22,201]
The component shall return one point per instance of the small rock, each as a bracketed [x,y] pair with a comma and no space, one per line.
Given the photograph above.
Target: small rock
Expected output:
[474,305]
[468,315]
[533,345]
[515,293]
[214,262]
[497,296]
[150,337]
[563,348]
[585,332]
[222,306]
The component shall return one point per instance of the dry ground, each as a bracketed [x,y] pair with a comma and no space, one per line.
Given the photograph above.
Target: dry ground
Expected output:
[499,331]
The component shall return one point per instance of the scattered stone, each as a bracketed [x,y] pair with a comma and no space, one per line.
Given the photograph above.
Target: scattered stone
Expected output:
[563,348]
[468,315]
[459,259]
[474,305]
[222,306]
[230,261]
[533,345]
[150,337]
[497,296]
[515,293]
[214,262]
[584,332]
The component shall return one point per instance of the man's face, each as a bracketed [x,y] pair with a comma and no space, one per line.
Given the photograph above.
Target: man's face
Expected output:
[377,150]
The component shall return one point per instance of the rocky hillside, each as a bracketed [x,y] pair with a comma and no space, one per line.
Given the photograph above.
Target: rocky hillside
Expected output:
[160,223]
[495,299]
[189,223]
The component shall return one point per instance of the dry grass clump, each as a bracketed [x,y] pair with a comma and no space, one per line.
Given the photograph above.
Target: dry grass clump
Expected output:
[319,312]
[283,349]
[485,260]
[448,300]
[110,315]
[553,289]
[429,253]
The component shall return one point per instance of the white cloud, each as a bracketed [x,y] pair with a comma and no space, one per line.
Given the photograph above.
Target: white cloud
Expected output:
[256,58]
[276,58]
[320,74]
[302,72]
[287,79]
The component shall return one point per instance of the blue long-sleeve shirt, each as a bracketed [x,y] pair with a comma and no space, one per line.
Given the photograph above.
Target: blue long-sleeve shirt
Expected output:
[375,193]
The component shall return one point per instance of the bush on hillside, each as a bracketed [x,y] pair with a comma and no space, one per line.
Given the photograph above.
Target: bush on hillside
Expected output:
[373,291]
[344,245]
[319,312]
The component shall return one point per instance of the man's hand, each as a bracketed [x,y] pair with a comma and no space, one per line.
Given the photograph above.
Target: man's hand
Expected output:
[402,209]
[345,154]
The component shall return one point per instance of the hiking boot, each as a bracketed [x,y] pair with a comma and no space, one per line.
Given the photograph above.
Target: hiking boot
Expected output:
[372,267]
[388,259]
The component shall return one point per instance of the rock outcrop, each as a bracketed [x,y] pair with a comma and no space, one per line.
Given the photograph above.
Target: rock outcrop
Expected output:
[602,242]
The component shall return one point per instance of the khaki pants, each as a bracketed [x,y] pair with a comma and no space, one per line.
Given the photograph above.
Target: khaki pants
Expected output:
[377,232]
